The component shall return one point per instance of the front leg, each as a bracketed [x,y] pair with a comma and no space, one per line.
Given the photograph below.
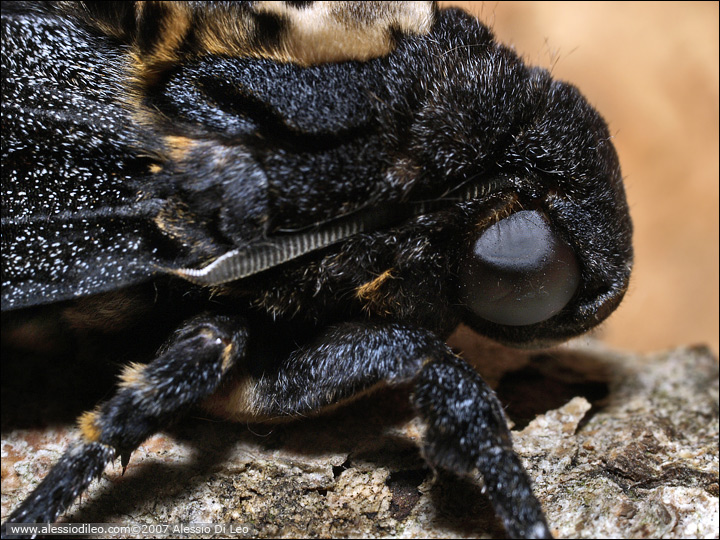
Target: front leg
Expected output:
[467,429]
[188,368]
[466,424]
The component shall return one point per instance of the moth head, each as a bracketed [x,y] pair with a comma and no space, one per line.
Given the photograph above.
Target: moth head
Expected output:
[553,259]
[548,255]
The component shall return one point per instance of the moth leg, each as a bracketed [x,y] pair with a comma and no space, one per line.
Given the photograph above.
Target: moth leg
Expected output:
[467,429]
[188,368]
[466,423]
[343,362]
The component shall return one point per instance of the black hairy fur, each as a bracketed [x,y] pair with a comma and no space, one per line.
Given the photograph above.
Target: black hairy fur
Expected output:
[136,150]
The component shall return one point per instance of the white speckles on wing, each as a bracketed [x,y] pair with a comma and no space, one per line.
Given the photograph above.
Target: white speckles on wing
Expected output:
[70,226]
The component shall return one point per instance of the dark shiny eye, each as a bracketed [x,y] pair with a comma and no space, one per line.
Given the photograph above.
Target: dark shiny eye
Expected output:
[519,272]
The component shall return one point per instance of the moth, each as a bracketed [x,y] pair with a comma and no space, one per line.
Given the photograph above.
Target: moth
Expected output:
[282,205]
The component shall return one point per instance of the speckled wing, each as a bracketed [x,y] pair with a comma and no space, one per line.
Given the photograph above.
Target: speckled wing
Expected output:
[82,148]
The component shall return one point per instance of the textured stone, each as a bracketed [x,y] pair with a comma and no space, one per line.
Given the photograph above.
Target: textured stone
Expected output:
[617,444]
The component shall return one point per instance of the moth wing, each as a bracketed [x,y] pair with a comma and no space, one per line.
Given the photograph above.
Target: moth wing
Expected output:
[77,218]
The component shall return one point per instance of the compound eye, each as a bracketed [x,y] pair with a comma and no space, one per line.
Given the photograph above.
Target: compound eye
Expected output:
[519,272]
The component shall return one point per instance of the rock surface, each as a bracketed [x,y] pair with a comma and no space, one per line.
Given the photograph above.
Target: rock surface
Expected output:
[617,444]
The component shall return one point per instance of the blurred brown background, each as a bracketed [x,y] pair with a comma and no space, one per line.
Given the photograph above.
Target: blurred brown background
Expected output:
[652,71]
